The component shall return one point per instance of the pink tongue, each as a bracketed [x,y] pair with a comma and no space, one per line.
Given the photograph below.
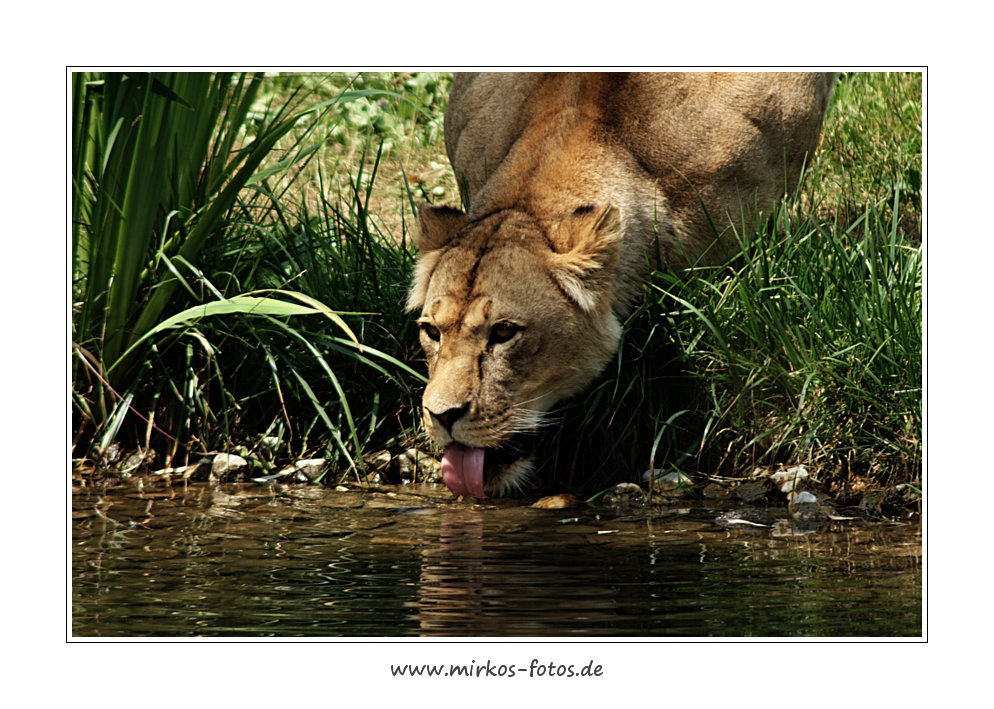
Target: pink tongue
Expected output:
[462,470]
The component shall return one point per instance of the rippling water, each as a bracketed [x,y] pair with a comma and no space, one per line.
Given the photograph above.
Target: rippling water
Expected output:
[150,559]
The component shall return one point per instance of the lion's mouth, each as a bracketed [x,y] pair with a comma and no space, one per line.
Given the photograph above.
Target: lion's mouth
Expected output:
[471,472]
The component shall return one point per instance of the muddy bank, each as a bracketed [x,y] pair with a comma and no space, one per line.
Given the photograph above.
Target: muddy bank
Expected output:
[766,497]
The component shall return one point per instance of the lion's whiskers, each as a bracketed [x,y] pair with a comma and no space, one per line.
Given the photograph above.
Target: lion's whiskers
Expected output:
[524,419]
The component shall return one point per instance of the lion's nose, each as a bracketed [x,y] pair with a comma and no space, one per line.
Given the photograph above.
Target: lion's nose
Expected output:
[447,419]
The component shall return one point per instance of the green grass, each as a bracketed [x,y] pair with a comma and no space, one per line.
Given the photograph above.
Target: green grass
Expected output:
[806,348]
[871,145]
[199,285]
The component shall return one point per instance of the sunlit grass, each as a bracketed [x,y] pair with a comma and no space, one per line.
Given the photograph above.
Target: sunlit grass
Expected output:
[193,271]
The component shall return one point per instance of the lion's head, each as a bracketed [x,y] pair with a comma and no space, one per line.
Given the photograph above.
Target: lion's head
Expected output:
[516,315]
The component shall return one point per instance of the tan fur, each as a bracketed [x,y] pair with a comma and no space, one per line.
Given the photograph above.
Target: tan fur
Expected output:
[574,182]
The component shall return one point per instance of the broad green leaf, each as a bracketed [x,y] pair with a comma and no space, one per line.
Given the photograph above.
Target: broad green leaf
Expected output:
[238,305]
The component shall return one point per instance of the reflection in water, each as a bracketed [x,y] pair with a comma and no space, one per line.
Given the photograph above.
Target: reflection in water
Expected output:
[453,580]
[255,560]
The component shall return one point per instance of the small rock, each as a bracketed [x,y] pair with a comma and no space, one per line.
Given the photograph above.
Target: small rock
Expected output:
[672,483]
[802,498]
[790,478]
[870,504]
[893,502]
[413,463]
[753,492]
[625,496]
[225,464]
[380,460]
[906,497]
[270,443]
[783,528]
[405,465]
[556,502]
[809,517]
[716,491]
[274,477]
[112,454]
[186,471]
[136,460]
[311,468]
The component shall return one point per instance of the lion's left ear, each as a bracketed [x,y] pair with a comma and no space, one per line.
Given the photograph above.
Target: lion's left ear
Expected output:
[588,245]
[437,226]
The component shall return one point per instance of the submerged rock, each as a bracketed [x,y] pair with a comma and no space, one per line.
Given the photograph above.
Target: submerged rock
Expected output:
[747,517]
[625,496]
[807,511]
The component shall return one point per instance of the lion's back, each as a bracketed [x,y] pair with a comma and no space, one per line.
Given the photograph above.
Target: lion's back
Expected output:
[713,136]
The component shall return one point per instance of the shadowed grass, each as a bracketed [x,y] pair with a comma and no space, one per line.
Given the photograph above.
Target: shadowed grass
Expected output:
[805,348]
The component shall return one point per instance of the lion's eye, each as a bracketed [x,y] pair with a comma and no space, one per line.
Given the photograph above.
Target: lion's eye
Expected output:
[502,332]
[430,331]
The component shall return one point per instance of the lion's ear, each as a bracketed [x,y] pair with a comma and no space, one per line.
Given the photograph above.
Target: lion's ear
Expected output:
[436,226]
[588,245]
[422,276]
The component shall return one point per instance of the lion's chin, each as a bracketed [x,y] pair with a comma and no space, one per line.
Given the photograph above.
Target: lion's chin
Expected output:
[507,478]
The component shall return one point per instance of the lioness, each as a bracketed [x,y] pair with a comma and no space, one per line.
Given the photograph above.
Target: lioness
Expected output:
[574,183]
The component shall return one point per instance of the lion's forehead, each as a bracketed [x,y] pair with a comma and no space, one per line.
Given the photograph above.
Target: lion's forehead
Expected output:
[452,311]
[486,280]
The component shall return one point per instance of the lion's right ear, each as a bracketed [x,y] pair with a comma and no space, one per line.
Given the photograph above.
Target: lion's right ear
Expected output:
[437,226]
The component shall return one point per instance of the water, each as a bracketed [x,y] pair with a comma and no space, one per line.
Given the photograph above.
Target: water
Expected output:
[153,559]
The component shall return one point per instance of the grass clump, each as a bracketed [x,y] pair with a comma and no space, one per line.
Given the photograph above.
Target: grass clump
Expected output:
[193,269]
[809,348]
